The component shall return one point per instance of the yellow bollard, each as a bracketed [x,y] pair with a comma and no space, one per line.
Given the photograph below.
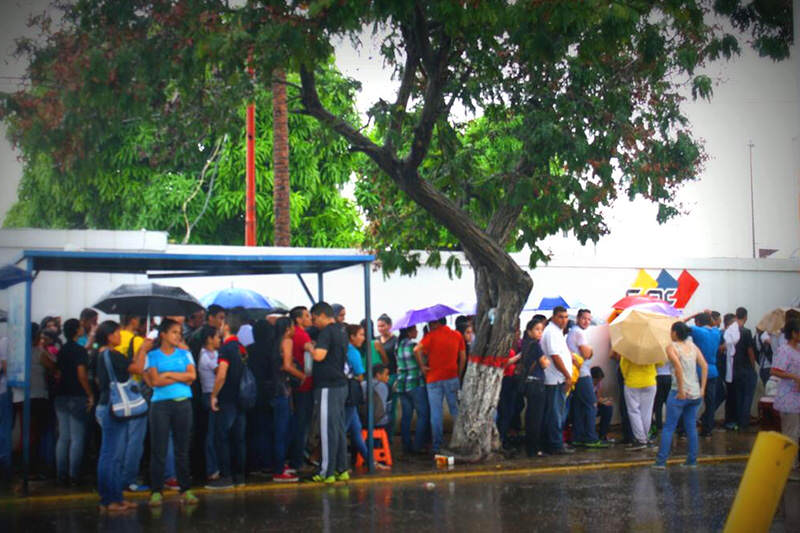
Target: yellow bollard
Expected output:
[762,483]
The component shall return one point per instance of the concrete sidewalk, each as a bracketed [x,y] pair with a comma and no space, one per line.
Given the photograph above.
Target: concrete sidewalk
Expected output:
[722,447]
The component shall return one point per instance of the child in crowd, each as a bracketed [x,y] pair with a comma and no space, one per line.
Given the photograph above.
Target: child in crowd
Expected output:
[605,405]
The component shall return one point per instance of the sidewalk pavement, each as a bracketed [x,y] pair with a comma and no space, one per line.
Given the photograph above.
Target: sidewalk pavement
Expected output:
[723,446]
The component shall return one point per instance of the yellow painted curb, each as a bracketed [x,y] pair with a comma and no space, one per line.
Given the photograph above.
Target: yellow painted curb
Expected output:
[375,480]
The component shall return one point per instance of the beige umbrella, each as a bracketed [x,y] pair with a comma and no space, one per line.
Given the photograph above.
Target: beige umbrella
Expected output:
[775,319]
[641,337]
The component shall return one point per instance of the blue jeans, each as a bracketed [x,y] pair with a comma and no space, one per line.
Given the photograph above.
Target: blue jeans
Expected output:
[415,399]
[585,411]
[554,407]
[707,420]
[354,430]
[437,392]
[209,450]
[605,412]
[505,407]
[132,448]
[6,417]
[230,426]
[72,416]
[109,463]
[281,419]
[301,422]
[675,409]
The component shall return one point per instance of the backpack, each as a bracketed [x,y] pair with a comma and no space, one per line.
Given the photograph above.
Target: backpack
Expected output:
[248,392]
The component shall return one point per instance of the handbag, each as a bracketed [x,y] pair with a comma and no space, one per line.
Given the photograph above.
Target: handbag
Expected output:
[125,399]
[248,392]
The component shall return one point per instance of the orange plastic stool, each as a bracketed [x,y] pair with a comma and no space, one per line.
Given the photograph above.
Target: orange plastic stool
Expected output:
[382,454]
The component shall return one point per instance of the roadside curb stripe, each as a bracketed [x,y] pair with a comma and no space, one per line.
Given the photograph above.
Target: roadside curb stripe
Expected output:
[376,480]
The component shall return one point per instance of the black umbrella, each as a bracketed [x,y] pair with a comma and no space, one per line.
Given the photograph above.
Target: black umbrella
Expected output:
[148,299]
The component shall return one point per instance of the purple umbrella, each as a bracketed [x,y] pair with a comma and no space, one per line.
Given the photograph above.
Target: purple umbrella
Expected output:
[662,308]
[426,314]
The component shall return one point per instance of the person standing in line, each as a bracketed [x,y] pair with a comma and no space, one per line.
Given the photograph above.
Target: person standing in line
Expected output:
[707,339]
[605,406]
[355,396]
[533,366]
[330,393]
[585,402]
[193,323]
[640,394]
[730,337]
[388,341]
[74,400]
[412,392]
[129,345]
[170,371]
[786,367]
[340,314]
[745,377]
[663,386]
[215,317]
[109,462]
[685,396]
[284,370]
[557,381]
[229,418]
[207,363]
[6,415]
[446,355]
[302,394]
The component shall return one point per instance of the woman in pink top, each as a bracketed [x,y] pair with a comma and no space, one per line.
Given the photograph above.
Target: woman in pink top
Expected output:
[786,366]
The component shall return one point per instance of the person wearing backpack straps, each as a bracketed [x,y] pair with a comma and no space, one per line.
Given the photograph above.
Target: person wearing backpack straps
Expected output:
[109,462]
[284,370]
[230,421]
[170,370]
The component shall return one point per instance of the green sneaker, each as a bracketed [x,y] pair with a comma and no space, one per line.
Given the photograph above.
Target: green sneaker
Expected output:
[578,444]
[343,476]
[596,444]
[319,479]
[188,498]
[156,499]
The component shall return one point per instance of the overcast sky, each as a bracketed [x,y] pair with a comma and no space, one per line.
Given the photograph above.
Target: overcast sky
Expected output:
[755,100]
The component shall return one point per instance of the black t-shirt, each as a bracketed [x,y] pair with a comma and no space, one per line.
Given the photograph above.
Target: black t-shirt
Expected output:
[390,347]
[69,358]
[741,359]
[119,364]
[230,352]
[330,371]
[531,352]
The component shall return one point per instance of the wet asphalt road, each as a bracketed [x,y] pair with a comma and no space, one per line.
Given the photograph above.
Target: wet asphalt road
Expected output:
[634,499]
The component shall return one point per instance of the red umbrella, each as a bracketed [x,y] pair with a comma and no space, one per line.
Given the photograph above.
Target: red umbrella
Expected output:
[630,301]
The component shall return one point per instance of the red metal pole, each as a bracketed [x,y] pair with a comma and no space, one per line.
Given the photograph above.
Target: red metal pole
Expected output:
[250,212]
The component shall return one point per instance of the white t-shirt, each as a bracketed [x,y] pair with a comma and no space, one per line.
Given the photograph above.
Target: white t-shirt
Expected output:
[576,338]
[731,337]
[554,344]
[208,364]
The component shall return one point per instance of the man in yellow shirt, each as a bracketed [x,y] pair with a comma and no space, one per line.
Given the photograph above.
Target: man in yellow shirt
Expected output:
[640,394]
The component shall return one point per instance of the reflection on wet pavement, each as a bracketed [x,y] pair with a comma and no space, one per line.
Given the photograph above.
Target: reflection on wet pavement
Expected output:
[636,499]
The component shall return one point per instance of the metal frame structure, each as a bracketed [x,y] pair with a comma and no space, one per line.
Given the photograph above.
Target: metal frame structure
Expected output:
[169,265]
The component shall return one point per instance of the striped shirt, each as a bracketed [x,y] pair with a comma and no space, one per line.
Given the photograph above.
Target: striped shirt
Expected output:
[409,374]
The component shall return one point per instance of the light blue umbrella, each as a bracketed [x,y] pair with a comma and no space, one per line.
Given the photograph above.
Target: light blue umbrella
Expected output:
[238,297]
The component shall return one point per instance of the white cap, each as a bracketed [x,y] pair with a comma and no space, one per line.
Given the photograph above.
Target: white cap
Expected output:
[245,335]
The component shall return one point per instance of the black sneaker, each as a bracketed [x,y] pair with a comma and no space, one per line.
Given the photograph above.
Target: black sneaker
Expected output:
[566,450]
[636,446]
[220,484]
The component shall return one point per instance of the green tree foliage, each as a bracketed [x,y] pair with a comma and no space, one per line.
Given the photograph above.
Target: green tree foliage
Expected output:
[111,139]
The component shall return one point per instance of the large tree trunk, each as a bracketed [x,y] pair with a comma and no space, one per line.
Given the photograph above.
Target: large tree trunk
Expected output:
[280,160]
[475,434]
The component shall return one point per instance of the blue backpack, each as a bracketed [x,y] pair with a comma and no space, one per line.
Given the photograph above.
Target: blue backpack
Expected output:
[247,389]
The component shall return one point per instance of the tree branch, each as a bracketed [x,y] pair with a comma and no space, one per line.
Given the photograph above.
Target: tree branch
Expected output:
[406,85]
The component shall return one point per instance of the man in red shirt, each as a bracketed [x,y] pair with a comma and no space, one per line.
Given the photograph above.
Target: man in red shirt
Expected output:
[445,357]
[303,395]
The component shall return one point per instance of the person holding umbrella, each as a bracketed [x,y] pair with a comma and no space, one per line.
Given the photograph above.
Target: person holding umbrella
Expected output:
[170,371]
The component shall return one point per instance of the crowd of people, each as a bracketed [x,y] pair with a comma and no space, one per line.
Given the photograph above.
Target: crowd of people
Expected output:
[224,395]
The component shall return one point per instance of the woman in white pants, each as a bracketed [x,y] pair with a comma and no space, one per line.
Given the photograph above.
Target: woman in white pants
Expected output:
[786,366]
[640,395]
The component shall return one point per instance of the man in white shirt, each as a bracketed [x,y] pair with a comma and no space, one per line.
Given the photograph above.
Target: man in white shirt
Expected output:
[584,422]
[557,381]
[730,337]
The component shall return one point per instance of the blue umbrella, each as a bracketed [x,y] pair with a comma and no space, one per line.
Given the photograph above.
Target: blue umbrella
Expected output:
[548,304]
[426,314]
[237,297]
[11,275]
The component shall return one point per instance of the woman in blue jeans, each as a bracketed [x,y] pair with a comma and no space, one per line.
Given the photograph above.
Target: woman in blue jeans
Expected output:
[280,403]
[356,336]
[109,463]
[685,396]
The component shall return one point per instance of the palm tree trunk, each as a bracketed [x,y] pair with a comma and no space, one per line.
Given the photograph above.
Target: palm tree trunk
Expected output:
[280,160]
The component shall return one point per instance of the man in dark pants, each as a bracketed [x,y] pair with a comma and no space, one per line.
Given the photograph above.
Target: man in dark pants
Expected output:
[707,339]
[558,380]
[303,394]
[330,394]
[744,370]
[730,337]
[627,434]
[229,421]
